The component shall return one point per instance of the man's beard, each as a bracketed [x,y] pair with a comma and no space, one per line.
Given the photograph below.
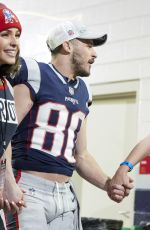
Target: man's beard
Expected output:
[78,66]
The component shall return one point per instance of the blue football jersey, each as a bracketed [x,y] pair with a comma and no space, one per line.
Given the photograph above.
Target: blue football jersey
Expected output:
[45,139]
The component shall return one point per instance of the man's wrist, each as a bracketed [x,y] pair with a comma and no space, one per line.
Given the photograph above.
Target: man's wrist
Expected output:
[107,183]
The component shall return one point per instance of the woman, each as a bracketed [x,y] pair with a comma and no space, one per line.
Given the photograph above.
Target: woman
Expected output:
[11,197]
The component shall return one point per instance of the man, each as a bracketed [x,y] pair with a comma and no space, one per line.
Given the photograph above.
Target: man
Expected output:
[52,107]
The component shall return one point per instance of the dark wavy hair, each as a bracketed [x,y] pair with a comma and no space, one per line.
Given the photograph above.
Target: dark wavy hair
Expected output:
[8,70]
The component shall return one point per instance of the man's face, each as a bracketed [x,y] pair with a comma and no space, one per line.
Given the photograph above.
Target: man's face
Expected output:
[83,57]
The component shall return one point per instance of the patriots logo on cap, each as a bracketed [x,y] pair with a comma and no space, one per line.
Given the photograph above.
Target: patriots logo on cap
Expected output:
[9,16]
[70,32]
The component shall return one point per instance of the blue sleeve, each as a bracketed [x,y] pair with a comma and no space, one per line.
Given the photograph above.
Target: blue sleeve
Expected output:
[89,93]
[29,74]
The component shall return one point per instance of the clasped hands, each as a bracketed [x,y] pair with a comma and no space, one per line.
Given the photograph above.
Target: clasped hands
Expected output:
[12,198]
[119,186]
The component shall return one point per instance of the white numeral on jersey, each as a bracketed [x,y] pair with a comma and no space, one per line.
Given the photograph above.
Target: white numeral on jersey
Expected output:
[56,130]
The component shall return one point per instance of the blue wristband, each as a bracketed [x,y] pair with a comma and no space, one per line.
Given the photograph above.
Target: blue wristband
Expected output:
[130,165]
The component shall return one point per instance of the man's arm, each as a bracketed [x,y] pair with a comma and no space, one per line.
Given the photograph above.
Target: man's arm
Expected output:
[23,101]
[88,168]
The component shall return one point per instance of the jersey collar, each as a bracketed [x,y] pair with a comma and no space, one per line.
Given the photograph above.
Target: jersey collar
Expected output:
[64,79]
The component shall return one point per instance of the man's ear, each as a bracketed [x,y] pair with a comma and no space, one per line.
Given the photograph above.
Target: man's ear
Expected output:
[67,46]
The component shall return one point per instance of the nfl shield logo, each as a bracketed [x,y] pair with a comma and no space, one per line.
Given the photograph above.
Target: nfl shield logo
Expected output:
[71,90]
[9,17]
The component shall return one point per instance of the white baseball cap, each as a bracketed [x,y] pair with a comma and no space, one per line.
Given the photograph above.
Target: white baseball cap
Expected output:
[69,30]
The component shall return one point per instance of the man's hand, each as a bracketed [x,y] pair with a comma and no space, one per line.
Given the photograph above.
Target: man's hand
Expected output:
[121,178]
[120,185]
[115,192]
